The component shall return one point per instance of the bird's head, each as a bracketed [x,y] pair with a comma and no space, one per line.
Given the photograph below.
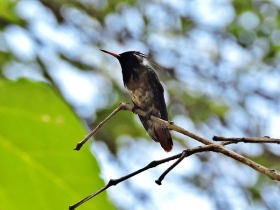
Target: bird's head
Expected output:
[128,60]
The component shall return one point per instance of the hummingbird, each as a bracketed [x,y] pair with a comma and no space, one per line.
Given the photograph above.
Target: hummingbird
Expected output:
[146,93]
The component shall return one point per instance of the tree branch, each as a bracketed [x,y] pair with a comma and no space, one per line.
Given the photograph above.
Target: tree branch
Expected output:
[169,125]
[183,155]
[209,146]
[265,139]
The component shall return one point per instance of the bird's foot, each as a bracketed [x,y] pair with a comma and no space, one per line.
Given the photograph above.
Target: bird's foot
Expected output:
[134,108]
[149,114]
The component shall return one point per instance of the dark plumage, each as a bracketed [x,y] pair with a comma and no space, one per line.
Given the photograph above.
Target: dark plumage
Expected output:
[146,93]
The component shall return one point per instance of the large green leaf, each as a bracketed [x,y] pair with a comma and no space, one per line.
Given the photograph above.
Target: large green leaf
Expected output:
[39,168]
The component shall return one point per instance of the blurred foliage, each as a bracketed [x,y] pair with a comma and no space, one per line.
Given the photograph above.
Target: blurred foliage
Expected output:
[8,15]
[221,74]
[39,168]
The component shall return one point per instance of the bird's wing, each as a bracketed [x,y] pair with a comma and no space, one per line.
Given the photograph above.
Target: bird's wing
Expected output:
[159,93]
[162,134]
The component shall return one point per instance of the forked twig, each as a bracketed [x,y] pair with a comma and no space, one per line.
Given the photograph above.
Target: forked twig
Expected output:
[114,182]
[155,163]
[183,155]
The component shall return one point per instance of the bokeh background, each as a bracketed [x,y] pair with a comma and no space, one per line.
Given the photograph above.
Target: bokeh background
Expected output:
[218,61]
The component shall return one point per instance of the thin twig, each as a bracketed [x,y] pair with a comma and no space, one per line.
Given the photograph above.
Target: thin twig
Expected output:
[81,143]
[114,182]
[74,206]
[265,139]
[184,154]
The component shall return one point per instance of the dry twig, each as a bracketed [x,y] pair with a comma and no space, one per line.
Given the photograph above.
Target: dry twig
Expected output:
[81,143]
[265,139]
[209,146]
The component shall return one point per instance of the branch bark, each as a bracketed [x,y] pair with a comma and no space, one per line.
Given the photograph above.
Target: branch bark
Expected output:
[265,139]
[209,146]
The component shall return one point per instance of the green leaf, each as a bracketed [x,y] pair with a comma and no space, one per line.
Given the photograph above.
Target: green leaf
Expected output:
[39,168]
[7,13]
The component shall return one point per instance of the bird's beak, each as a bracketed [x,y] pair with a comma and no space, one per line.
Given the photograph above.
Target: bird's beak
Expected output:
[113,54]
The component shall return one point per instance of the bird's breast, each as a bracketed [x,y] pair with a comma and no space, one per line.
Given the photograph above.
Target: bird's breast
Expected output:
[141,92]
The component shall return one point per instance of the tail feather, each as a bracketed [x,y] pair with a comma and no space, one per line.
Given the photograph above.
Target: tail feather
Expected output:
[164,138]
[158,134]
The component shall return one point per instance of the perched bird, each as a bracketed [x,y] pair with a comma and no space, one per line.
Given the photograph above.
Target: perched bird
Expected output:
[146,93]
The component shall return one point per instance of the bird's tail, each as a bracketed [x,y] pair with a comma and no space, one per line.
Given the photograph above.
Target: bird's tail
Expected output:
[164,138]
[158,133]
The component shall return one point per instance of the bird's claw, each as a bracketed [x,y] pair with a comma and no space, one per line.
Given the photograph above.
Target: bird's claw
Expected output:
[134,108]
